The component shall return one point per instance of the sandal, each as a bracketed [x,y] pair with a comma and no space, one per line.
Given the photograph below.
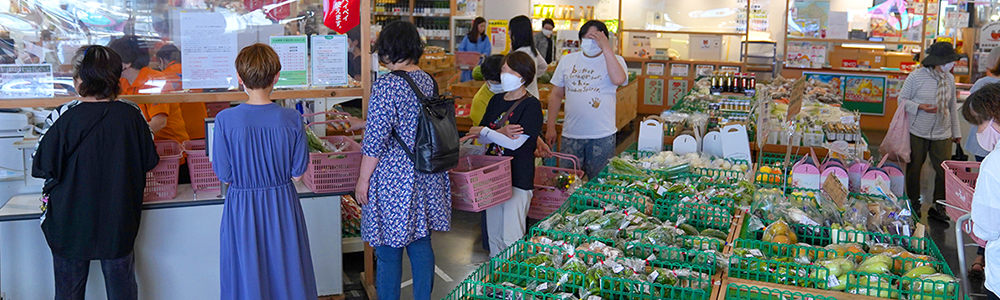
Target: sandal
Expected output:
[974,273]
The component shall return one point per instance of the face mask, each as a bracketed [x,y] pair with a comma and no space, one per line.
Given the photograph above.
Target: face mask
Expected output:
[547,32]
[947,67]
[496,88]
[988,138]
[590,47]
[510,82]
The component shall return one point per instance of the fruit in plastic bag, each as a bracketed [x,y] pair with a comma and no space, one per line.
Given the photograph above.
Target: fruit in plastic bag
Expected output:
[878,264]
[586,217]
[844,250]
[779,232]
[709,232]
[873,286]
[917,273]
[935,284]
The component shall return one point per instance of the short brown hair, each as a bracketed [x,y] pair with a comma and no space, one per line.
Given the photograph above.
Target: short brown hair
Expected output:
[522,64]
[98,68]
[257,65]
[983,105]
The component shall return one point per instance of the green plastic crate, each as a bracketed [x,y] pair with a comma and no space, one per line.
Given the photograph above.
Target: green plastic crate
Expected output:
[485,284]
[745,292]
[787,273]
[352,228]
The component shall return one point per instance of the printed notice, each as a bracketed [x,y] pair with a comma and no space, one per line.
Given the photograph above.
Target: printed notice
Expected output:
[292,52]
[26,81]
[207,50]
[329,60]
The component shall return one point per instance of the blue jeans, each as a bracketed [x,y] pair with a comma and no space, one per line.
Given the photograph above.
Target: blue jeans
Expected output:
[389,269]
[119,277]
[594,154]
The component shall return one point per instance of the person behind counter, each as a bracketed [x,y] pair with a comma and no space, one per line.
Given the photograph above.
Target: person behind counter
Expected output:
[932,110]
[544,43]
[354,57]
[193,113]
[400,206]
[165,119]
[982,109]
[511,127]
[520,32]
[258,149]
[475,41]
[94,154]
[589,81]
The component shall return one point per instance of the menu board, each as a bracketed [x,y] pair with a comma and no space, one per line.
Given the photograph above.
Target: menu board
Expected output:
[329,60]
[26,81]
[208,62]
[293,54]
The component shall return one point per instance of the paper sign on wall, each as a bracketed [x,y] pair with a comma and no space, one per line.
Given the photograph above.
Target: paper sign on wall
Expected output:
[293,54]
[208,62]
[676,90]
[497,30]
[653,92]
[680,70]
[29,81]
[329,60]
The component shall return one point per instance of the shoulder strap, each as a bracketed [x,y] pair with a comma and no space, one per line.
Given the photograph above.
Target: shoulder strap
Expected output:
[420,98]
[47,188]
[506,115]
[413,85]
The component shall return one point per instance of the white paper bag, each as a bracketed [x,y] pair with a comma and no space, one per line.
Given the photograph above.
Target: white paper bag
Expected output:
[735,142]
[650,136]
[712,144]
[685,144]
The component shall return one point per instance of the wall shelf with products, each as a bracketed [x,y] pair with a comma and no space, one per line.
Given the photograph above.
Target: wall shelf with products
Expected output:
[432,18]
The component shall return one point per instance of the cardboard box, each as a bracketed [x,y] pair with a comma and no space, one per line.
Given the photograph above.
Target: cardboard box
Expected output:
[898,60]
[871,60]
[842,57]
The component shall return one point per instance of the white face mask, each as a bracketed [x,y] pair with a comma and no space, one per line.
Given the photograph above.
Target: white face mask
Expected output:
[547,33]
[590,47]
[510,82]
[495,88]
[947,67]
[989,137]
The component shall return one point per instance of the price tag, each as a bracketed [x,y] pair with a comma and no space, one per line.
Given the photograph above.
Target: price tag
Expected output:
[756,252]
[542,287]
[653,276]
[617,268]
[847,119]
[835,189]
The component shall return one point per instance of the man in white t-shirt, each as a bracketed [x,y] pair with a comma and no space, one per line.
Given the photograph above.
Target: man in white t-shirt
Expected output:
[589,81]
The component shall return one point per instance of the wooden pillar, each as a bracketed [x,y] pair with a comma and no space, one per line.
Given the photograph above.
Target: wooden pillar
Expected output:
[366,58]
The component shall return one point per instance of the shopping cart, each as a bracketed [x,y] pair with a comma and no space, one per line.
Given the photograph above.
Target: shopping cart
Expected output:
[960,185]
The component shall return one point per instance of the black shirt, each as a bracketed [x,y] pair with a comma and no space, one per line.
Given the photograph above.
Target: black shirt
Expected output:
[354,67]
[96,191]
[528,114]
[548,51]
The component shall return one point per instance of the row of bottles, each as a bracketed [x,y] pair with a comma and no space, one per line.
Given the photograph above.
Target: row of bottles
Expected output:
[392,6]
[433,28]
[728,82]
[432,7]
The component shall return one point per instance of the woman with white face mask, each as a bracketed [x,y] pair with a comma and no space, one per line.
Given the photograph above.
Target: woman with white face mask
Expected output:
[930,103]
[544,41]
[982,109]
[511,127]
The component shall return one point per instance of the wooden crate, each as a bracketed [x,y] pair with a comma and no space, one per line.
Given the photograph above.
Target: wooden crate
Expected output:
[835,294]
[625,109]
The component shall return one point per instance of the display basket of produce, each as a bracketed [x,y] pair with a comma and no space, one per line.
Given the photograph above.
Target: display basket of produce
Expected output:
[553,185]
[334,161]
[161,182]
[668,165]
[735,291]
[492,281]
[203,177]
[688,188]
[350,217]
[960,185]
[480,182]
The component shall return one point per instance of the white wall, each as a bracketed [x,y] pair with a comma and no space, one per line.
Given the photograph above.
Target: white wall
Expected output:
[505,9]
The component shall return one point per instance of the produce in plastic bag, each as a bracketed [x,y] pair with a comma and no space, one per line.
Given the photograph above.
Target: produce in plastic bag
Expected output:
[917,273]
[936,285]
[779,232]
[873,286]
[613,220]
[876,264]
[553,222]
[848,249]
[586,217]
[506,291]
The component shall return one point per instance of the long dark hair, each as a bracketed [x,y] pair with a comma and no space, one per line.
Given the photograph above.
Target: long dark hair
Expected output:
[474,34]
[520,32]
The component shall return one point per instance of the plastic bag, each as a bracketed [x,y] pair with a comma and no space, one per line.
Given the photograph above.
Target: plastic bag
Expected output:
[896,144]
[469,147]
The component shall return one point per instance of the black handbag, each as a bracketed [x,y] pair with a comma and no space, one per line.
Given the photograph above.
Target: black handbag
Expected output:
[959,154]
[436,147]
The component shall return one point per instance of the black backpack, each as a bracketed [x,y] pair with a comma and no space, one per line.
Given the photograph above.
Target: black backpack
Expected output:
[436,145]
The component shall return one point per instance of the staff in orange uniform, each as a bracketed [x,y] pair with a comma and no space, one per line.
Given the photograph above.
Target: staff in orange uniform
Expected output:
[194,113]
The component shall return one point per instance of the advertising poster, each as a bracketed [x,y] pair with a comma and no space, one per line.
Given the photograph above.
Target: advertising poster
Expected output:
[833,79]
[497,30]
[293,54]
[329,60]
[678,88]
[653,92]
[864,89]
[893,84]
[704,70]
[26,81]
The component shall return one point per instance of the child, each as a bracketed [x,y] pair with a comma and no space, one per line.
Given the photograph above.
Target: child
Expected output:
[259,148]
[510,127]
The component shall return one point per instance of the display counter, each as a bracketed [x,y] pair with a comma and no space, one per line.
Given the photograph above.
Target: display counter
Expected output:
[176,251]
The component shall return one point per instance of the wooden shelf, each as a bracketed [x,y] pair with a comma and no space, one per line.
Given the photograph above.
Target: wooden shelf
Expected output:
[397,14]
[191,97]
[684,32]
[792,39]
[430,15]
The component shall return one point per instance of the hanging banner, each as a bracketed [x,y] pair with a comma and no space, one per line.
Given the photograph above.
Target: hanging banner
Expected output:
[341,15]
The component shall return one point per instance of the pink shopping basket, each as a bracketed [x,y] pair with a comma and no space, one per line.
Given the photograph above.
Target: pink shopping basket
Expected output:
[467,60]
[334,172]
[161,182]
[548,198]
[480,182]
[960,185]
[203,177]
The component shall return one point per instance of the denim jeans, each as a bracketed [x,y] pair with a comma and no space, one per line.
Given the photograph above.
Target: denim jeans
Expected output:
[119,277]
[389,270]
[594,154]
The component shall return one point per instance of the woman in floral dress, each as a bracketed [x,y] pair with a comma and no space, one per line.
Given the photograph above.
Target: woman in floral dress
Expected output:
[399,206]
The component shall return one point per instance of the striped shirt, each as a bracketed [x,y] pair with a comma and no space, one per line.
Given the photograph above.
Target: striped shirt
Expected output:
[920,87]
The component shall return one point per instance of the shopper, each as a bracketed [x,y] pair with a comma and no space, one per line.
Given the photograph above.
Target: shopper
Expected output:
[982,109]
[519,29]
[138,78]
[193,113]
[589,81]
[94,155]
[930,99]
[400,206]
[475,41]
[491,72]
[258,149]
[544,42]
[354,57]
[510,127]
[972,143]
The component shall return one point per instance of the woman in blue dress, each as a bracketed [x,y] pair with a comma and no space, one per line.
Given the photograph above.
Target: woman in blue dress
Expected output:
[399,206]
[259,148]
[475,41]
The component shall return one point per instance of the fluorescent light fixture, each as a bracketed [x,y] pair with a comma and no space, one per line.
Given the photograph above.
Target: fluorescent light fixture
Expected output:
[863,46]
